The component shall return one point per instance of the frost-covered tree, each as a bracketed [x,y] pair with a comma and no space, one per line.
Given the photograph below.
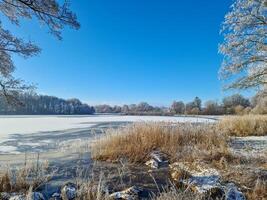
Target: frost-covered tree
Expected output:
[197,103]
[259,103]
[234,102]
[42,104]
[193,107]
[50,13]
[178,107]
[144,107]
[245,45]
[211,108]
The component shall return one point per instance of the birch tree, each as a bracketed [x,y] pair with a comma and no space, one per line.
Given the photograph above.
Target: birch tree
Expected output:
[50,13]
[245,45]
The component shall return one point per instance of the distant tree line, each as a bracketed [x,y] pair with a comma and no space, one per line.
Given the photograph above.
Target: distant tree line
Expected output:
[41,104]
[48,105]
[234,104]
[142,108]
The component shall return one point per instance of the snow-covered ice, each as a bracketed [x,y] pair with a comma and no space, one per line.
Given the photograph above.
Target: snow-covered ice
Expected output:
[31,133]
[8,149]
[34,124]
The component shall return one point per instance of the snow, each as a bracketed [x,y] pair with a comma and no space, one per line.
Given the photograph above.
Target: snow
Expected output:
[8,149]
[249,146]
[202,178]
[33,144]
[252,138]
[36,124]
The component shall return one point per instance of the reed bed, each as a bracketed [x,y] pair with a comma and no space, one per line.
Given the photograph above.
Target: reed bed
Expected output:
[242,126]
[183,142]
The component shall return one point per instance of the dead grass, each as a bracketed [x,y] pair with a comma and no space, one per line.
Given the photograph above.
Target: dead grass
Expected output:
[259,190]
[188,143]
[174,194]
[251,181]
[91,192]
[182,142]
[31,175]
[241,126]
[92,189]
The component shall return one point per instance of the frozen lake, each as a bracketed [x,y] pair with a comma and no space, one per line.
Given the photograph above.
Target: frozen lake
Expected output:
[20,134]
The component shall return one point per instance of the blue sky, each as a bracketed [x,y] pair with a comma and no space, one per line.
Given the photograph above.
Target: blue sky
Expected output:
[130,51]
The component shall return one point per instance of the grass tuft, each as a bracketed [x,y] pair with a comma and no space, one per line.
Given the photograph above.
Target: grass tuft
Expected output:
[22,179]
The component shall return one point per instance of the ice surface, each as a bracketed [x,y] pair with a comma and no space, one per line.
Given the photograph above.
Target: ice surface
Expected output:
[34,124]
[38,133]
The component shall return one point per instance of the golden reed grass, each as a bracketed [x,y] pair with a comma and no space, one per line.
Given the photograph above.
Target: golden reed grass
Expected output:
[185,142]
[241,126]
[21,180]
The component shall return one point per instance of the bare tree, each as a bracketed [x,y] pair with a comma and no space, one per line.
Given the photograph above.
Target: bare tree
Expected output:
[48,12]
[245,45]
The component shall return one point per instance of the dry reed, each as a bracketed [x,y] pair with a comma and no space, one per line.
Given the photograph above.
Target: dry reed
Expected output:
[183,142]
[31,175]
[241,126]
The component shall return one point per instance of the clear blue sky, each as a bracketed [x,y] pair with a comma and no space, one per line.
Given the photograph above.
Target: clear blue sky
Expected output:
[129,51]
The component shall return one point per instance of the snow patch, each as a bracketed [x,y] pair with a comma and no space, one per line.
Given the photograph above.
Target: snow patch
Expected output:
[8,149]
